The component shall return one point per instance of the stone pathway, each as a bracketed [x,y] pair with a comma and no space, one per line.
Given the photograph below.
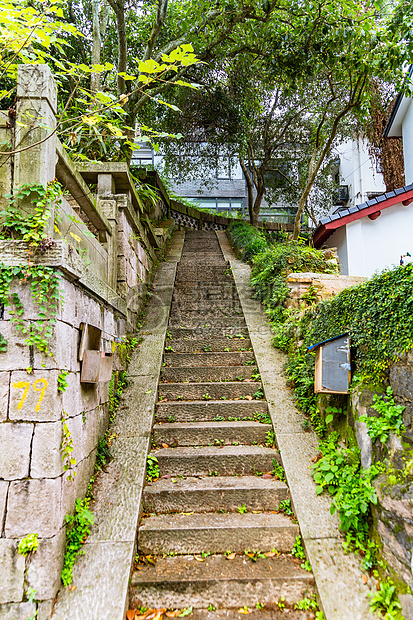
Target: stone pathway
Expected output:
[213,441]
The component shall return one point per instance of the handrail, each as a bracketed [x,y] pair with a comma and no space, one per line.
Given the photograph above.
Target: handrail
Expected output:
[123,184]
[67,174]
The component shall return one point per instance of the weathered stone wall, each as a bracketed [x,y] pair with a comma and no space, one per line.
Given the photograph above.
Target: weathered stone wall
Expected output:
[326,285]
[103,281]
[35,493]
[393,514]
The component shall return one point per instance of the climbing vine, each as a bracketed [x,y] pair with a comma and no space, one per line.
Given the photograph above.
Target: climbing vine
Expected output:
[30,227]
[46,294]
[67,447]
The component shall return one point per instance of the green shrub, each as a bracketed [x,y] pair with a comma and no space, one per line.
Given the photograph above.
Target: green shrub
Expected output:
[246,240]
[379,317]
[389,420]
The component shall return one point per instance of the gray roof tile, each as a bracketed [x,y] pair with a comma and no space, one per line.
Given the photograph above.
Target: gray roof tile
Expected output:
[324,220]
[354,209]
[334,217]
[381,198]
[399,191]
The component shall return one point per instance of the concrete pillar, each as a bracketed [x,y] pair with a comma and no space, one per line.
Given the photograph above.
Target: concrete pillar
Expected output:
[35,142]
[109,207]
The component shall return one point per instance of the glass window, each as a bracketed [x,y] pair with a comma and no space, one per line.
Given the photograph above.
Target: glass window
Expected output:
[223,171]
[236,171]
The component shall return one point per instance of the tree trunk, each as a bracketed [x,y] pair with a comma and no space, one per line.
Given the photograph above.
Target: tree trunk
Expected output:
[250,189]
[257,202]
[96,45]
[313,169]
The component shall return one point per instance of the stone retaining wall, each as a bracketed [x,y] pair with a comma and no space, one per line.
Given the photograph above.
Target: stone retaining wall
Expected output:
[103,282]
[393,514]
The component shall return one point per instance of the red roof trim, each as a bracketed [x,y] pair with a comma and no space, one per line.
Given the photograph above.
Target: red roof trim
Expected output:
[324,231]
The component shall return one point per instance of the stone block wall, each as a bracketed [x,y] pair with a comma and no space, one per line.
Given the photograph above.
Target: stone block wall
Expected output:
[35,492]
[135,265]
[326,285]
[393,514]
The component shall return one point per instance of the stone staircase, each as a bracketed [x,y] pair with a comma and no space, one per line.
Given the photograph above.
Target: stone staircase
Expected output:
[215,498]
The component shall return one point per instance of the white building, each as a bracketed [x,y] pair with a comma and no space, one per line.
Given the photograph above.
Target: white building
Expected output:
[357,176]
[377,233]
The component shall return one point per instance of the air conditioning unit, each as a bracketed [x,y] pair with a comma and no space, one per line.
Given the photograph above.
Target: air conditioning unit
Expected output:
[342,196]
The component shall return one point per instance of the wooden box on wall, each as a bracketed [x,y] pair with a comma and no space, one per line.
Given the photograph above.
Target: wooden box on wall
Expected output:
[96,364]
[332,365]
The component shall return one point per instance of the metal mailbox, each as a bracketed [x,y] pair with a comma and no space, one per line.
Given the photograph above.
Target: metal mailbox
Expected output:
[332,365]
[96,364]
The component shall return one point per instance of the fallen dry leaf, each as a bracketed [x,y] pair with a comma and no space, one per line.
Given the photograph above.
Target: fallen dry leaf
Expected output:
[164,445]
[241,610]
[231,556]
[364,579]
[199,559]
[256,512]
[267,476]
[130,614]
[248,397]
[270,554]
[188,514]
[173,614]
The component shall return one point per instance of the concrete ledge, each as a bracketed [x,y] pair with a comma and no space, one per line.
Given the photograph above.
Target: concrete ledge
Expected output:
[62,257]
[339,577]
[101,575]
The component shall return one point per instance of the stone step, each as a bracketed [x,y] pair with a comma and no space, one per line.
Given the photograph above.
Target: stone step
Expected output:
[216,533]
[228,390]
[232,333]
[224,461]
[210,433]
[190,287]
[209,259]
[185,306]
[194,345]
[201,374]
[214,493]
[253,614]
[238,358]
[197,296]
[206,309]
[204,272]
[183,581]
[197,322]
[210,410]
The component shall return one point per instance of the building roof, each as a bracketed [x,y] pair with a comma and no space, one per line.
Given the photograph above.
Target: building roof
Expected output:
[314,347]
[393,128]
[372,209]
